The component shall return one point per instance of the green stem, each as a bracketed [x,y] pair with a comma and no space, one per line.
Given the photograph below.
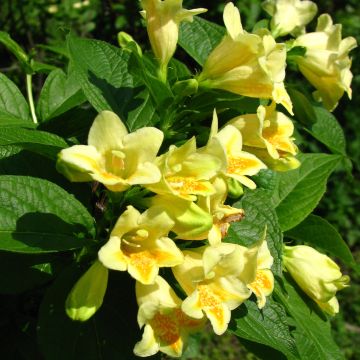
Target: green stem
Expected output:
[30,97]
[162,73]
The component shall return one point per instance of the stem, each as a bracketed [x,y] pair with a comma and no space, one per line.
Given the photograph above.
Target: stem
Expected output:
[30,97]
[162,73]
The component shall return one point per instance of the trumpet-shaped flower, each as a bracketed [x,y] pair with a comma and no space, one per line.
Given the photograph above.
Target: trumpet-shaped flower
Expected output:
[289,16]
[191,222]
[269,130]
[139,244]
[326,64]
[113,157]
[222,215]
[87,295]
[263,285]
[186,172]
[215,279]
[163,18]
[247,64]
[316,274]
[166,326]
[239,164]
[208,219]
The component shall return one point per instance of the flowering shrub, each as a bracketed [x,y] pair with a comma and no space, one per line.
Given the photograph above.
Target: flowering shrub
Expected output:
[199,200]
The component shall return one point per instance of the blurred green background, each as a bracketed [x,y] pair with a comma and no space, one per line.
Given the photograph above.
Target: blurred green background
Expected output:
[40,26]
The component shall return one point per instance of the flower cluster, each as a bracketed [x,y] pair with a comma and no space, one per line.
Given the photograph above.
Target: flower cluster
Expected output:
[188,185]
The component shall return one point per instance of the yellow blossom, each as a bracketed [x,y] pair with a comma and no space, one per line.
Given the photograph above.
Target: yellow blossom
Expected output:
[326,64]
[186,172]
[316,274]
[289,16]
[139,244]
[166,326]
[215,278]
[268,134]
[208,219]
[227,144]
[247,64]
[113,157]
[163,18]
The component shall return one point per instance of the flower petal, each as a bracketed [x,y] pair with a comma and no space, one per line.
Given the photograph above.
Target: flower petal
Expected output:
[106,132]
[232,20]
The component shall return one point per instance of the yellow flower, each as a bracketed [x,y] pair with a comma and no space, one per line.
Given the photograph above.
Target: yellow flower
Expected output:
[263,285]
[289,16]
[86,296]
[247,64]
[227,144]
[166,326]
[316,274]
[186,172]
[268,130]
[163,18]
[139,244]
[208,219]
[215,278]
[113,157]
[222,215]
[326,64]
[191,222]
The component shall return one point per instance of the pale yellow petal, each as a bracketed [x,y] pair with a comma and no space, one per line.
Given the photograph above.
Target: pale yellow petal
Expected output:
[106,132]
[111,255]
[232,20]
[148,345]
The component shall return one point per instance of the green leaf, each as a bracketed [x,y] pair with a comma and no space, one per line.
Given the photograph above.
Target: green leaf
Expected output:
[267,326]
[312,329]
[13,105]
[14,160]
[199,37]
[16,50]
[103,72]
[143,114]
[258,214]
[40,142]
[300,190]
[219,99]
[328,131]
[111,331]
[159,91]
[37,216]
[303,108]
[59,94]
[317,231]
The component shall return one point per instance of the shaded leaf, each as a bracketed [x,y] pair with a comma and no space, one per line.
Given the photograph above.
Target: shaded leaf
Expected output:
[37,216]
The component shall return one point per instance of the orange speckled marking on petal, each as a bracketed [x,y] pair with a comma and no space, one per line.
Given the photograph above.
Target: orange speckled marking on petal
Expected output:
[210,302]
[167,328]
[261,282]
[187,185]
[239,166]
[143,261]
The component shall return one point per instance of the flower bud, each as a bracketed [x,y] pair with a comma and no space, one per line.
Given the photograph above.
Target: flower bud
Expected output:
[316,274]
[86,297]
